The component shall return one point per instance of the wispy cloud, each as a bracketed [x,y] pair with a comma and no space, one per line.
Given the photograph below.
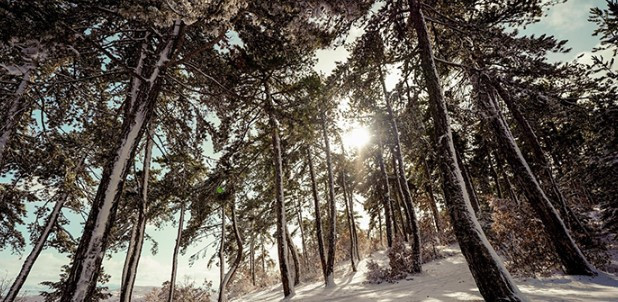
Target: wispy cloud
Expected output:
[570,15]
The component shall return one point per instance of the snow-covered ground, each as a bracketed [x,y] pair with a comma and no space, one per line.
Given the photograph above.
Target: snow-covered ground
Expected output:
[447,279]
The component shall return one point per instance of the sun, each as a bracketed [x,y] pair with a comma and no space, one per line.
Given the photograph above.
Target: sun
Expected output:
[356,137]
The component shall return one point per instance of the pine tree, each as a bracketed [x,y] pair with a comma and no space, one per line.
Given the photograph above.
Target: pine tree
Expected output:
[493,280]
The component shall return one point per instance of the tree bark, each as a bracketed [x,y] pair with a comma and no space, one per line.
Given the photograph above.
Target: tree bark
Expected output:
[84,273]
[492,279]
[170,295]
[570,256]
[332,210]
[318,215]
[139,228]
[282,244]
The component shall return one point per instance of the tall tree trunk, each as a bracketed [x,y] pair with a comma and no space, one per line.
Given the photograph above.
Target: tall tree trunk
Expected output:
[541,162]
[84,273]
[318,215]
[432,200]
[349,220]
[282,244]
[13,115]
[239,254]
[51,221]
[332,210]
[493,280]
[170,294]
[570,256]
[139,227]
[295,258]
[386,199]
[403,185]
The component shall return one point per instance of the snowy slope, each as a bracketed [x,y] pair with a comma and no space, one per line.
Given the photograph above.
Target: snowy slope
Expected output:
[447,279]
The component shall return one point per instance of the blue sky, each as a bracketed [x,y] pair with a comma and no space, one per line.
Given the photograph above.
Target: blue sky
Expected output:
[566,21]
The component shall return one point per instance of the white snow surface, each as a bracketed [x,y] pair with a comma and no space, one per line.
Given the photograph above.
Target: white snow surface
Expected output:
[447,279]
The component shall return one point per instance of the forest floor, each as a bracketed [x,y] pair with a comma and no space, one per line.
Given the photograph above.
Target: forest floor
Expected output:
[446,279]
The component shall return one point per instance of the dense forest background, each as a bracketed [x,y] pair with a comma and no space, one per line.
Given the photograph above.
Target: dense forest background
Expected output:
[214,128]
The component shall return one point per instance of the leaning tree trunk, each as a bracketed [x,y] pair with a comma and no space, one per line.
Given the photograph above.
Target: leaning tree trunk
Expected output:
[295,258]
[84,273]
[542,163]
[386,199]
[318,215]
[239,253]
[493,280]
[332,210]
[282,244]
[349,220]
[139,228]
[570,256]
[13,115]
[170,294]
[11,295]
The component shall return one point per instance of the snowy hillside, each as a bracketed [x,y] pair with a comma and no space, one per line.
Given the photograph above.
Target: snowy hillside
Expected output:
[447,279]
